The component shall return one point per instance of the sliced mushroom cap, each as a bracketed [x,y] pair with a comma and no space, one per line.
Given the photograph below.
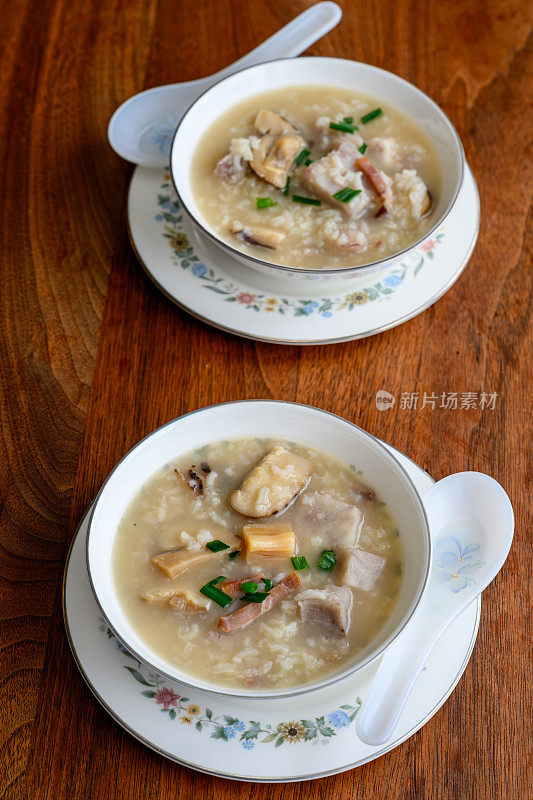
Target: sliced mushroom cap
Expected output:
[272,485]
[265,237]
[274,155]
[427,203]
[269,122]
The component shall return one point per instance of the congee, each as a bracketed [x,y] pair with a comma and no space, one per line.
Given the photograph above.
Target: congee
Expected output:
[316,177]
[257,563]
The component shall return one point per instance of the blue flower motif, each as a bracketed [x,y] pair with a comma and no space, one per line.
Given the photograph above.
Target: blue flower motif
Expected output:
[238,726]
[199,269]
[122,649]
[248,744]
[309,307]
[161,136]
[159,218]
[230,732]
[326,313]
[392,280]
[453,563]
[338,719]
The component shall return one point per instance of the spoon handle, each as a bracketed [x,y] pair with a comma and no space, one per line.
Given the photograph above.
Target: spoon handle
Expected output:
[291,40]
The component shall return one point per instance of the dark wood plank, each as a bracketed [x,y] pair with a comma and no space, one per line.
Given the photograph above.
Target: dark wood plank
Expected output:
[92,357]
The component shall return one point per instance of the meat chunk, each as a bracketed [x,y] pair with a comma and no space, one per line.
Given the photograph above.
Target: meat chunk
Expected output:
[272,485]
[233,588]
[265,237]
[361,569]
[378,181]
[335,171]
[228,623]
[329,608]
[337,523]
[174,562]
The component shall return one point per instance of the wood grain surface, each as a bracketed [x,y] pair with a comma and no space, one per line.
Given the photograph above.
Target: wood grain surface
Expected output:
[93,357]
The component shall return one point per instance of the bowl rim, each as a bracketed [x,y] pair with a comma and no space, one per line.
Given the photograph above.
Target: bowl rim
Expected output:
[294,691]
[236,253]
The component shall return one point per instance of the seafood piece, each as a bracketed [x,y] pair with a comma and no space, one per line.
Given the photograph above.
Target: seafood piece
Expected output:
[329,608]
[269,122]
[273,157]
[265,237]
[345,237]
[174,562]
[361,569]
[337,523]
[188,602]
[261,540]
[228,623]
[272,485]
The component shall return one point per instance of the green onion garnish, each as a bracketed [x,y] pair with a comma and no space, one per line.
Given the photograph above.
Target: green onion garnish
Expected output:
[299,562]
[268,584]
[377,112]
[287,184]
[327,561]
[255,597]
[307,201]
[249,586]
[302,155]
[234,554]
[265,202]
[216,546]
[220,598]
[362,149]
[216,580]
[346,194]
[345,127]
[349,120]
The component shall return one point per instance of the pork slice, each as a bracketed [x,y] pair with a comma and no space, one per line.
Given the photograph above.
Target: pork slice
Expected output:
[335,171]
[329,608]
[361,569]
[228,623]
[337,523]
[233,588]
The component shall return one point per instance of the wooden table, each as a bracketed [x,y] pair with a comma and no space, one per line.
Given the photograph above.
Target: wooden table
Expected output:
[93,357]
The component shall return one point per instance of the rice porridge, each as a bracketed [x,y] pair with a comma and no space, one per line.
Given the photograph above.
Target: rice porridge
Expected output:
[257,563]
[316,177]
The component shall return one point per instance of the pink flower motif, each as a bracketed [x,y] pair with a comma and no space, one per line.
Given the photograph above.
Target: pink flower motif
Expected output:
[245,298]
[428,246]
[166,698]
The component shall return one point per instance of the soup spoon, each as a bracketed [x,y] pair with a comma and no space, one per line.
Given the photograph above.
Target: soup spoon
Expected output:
[472,523]
[141,129]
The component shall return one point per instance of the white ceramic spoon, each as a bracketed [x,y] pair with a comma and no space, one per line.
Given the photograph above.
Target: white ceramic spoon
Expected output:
[141,129]
[471,521]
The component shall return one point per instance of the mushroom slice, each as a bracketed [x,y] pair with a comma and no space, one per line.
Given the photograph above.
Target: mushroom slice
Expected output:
[264,237]
[273,157]
[426,204]
[269,122]
[174,562]
[187,602]
[272,485]
[329,608]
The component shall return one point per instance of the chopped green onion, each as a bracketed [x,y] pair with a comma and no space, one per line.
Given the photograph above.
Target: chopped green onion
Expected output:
[377,112]
[327,561]
[234,554]
[349,120]
[249,586]
[265,202]
[220,598]
[287,184]
[345,127]
[362,149]
[308,161]
[302,155]
[307,201]
[346,194]
[255,597]
[216,580]
[299,562]
[268,584]
[216,546]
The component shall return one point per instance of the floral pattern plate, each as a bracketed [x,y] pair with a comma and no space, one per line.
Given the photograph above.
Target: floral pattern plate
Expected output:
[306,737]
[216,288]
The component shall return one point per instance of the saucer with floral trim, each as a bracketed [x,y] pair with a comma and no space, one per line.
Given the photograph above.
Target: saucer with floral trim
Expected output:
[213,286]
[289,739]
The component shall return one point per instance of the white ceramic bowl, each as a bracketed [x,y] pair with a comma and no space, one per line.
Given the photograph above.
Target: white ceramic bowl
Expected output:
[384,86]
[271,419]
